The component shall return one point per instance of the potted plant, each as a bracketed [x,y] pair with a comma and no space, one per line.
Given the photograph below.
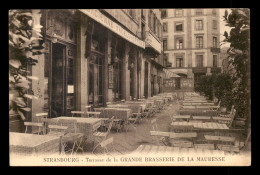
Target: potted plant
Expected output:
[25,44]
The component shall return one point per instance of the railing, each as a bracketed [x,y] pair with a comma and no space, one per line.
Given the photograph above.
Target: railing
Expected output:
[215,50]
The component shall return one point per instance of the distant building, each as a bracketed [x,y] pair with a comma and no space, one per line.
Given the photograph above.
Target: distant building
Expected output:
[191,40]
[224,59]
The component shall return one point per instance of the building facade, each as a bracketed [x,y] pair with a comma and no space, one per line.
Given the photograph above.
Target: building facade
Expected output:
[191,39]
[95,56]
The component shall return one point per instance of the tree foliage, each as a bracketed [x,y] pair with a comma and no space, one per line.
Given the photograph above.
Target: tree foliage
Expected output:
[239,58]
[25,45]
[219,85]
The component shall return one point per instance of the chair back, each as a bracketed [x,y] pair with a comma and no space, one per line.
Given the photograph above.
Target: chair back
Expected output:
[183,135]
[159,133]
[110,124]
[180,129]
[106,142]
[71,124]
[39,125]
[91,114]
[154,125]
[56,129]
[232,116]
[79,113]
[41,116]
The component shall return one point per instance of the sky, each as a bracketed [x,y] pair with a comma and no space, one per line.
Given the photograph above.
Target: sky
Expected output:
[223,28]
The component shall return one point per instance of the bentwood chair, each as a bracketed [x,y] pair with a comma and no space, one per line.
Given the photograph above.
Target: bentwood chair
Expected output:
[105,144]
[160,138]
[34,124]
[101,136]
[77,113]
[72,135]
[41,116]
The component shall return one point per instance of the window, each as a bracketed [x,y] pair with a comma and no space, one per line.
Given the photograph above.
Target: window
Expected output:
[215,60]
[165,27]
[165,59]
[179,61]
[214,24]
[154,24]
[215,42]
[214,12]
[199,42]
[179,27]
[163,14]
[159,30]
[178,13]
[199,24]
[164,44]
[199,60]
[198,12]
[179,43]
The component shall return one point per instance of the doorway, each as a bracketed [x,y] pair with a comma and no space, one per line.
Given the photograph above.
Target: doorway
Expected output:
[95,96]
[57,78]
[146,80]
[177,83]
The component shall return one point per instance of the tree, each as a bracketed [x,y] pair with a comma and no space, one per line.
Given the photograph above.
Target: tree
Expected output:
[25,45]
[239,58]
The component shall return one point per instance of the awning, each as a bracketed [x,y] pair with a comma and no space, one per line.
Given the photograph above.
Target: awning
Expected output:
[114,27]
[170,74]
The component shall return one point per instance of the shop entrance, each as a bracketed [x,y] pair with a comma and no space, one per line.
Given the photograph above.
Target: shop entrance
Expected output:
[146,80]
[95,96]
[177,83]
[61,79]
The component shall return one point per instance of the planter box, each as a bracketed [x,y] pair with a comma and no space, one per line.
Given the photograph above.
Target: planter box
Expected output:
[16,124]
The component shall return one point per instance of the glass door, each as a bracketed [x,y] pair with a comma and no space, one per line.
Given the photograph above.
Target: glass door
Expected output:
[57,86]
[95,91]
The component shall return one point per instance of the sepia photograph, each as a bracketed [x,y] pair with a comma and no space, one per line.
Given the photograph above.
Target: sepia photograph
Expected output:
[129,87]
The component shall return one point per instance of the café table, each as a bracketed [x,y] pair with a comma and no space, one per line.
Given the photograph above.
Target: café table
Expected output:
[119,113]
[202,126]
[185,117]
[87,126]
[145,150]
[33,144]
[199,112]
[208,118]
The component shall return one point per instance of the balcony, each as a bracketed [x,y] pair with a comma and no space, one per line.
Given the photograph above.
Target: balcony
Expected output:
[199,70]
[215,70]
[215,50]
[169,65]
[151,41]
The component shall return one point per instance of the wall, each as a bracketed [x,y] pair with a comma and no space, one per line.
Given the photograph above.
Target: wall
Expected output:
[125,19]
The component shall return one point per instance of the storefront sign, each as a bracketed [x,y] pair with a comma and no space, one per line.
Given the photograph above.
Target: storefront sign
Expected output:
[105,21]
[153,42]
[110,76]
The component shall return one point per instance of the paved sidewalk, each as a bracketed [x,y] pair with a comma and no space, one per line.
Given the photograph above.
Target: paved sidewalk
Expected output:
[127,142]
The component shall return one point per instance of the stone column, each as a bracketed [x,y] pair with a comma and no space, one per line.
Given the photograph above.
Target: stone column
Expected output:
[126,75]
[81,87]
[135,76]
[105,71]
[37,71]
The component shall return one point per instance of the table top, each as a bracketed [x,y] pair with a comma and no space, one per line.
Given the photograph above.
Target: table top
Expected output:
[153,149]
[29,140]
[201,117]
[206,125]
[181,116]
[80,119]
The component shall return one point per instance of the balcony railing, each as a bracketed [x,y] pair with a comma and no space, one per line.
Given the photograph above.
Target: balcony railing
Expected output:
[215,70]
[215,50]
[199,70]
